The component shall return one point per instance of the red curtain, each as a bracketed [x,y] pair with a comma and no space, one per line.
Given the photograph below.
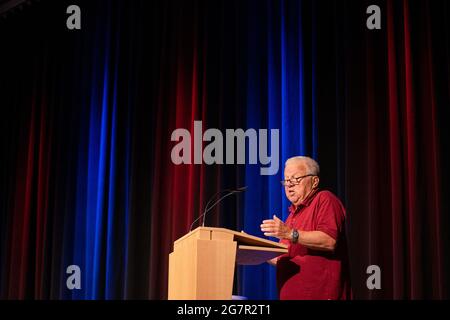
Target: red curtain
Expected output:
[394,179]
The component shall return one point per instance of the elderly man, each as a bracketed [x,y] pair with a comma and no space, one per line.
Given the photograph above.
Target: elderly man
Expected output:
[316,265]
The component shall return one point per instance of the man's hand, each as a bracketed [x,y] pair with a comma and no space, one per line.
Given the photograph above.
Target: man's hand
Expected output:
[276,228]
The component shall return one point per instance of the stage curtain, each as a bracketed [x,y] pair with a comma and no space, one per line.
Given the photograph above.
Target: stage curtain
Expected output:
[86,176]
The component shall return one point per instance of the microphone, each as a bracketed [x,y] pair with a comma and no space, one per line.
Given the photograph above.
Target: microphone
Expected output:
[210,205]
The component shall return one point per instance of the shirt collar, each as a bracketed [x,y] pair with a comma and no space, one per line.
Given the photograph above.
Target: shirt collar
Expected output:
[304,203]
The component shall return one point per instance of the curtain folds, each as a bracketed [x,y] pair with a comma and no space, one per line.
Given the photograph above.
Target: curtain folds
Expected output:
[86,176]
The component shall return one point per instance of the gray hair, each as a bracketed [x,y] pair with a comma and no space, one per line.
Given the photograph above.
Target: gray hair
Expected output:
[311,164]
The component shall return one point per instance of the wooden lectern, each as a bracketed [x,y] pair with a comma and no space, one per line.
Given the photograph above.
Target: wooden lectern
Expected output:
[201,266]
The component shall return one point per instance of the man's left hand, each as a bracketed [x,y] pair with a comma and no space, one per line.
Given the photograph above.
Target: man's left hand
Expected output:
[276,228]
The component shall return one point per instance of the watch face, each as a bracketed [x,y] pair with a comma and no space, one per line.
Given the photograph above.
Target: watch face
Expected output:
[295,235]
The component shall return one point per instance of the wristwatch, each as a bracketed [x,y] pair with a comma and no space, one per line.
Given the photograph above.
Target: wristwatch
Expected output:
[295,235]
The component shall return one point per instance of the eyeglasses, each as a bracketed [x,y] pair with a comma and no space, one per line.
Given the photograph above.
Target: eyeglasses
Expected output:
[295,181]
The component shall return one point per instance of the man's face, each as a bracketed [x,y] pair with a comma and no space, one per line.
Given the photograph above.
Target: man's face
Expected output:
[296,193]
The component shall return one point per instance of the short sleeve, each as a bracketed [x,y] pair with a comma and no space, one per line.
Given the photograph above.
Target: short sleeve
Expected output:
[330,215]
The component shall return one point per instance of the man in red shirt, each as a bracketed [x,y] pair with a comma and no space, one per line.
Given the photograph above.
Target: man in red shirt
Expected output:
[316,266]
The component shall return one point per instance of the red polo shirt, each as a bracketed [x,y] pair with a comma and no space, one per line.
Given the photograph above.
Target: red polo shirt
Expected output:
[304,273]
